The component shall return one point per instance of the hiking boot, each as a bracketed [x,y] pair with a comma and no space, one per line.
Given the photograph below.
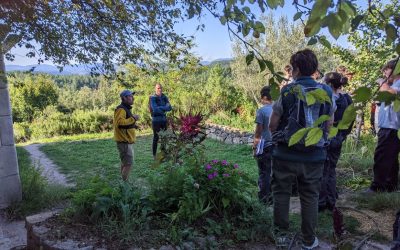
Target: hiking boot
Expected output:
[312,246]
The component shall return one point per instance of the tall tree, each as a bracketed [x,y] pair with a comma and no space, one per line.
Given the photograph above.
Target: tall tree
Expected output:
[103,33]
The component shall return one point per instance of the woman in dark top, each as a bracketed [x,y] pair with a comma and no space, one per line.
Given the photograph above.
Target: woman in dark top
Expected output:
[328,193]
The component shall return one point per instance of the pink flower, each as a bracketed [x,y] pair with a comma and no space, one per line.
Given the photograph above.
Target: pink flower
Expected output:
[214,161]
[226,175]
[236,166]
[224,162]
[210,176]
[215,173]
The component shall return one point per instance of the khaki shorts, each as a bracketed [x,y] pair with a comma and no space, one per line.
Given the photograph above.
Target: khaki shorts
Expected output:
[125,153]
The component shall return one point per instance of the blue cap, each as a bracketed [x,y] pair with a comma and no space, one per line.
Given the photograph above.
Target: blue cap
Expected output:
[126,93]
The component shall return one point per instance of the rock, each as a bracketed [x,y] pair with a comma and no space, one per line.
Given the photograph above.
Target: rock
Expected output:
[188,245]
[236,140]
[200,242]
[167,247]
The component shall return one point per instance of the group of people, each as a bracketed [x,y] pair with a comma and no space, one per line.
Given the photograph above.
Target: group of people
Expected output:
[311,169]
[125,125]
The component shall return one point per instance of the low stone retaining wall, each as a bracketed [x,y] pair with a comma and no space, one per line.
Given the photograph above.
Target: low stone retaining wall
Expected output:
[228,135]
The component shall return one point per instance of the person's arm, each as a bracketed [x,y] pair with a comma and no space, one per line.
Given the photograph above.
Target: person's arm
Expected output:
[157,109]
[385,87]
[168,106]
[121,121]
[274,121]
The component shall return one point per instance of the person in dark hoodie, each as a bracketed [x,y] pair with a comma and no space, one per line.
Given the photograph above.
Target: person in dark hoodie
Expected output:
[159,105]
[328,194]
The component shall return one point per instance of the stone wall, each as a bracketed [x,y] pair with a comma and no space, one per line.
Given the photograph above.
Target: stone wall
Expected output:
[228,135]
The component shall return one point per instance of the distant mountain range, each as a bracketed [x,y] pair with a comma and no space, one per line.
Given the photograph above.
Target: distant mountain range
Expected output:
[84,69]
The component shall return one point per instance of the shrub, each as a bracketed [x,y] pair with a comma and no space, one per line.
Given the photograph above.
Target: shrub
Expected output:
[22,133]
[37,193]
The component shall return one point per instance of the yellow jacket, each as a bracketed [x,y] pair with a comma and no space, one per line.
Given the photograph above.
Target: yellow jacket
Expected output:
[124,125]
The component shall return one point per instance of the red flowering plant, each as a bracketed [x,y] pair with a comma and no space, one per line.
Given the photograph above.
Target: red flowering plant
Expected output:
[184,138]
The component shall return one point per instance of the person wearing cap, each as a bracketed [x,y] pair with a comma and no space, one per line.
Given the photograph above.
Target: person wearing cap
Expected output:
[124,131]
[159,105]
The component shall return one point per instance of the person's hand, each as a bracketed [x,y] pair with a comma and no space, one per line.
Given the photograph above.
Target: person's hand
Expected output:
[385,86]
[136,117]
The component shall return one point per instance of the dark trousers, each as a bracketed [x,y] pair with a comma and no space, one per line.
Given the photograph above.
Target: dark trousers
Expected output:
[156,128]
[309,180]
[386,161]
[264,162]
[328,193]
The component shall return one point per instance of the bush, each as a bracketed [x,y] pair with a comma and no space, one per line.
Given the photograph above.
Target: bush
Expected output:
[22,133]
[55,123]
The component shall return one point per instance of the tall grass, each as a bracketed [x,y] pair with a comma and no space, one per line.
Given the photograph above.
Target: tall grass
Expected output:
[37,193]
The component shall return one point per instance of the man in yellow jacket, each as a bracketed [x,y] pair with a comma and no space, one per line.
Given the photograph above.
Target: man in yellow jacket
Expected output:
[124,131]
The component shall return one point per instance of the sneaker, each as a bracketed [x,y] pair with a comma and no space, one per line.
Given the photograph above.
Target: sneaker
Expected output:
[313,246]
[282,241]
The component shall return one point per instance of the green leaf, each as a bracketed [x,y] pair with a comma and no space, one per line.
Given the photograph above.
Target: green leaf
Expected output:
[321,119]
[385,97]
[312,27]
[362,94]
[313,136]
[396,70]
[349,116]
[256,34]
[333,132]
[249,58]
[325,42]
[391,33]
[274,89]
[319,9]
[270,65]
[252,1]
[246,9]
[223,20]
[310,99]
[259,27]
[335,25]
[262,64]
[348,8]
[245,29]
[356,22]
[296,137]
[398,133]
[225,202]
[297,16]
[320,96]
[312,41]
[396,105]
[273,4]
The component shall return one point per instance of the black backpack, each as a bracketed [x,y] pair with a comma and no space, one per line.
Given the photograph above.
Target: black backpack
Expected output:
[301,115]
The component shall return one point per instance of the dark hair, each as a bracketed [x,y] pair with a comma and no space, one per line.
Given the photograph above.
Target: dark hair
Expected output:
[265,91]
[335,79]
[390,65]
[305,61]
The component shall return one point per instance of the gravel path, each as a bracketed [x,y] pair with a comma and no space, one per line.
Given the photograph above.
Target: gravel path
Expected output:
[49,169]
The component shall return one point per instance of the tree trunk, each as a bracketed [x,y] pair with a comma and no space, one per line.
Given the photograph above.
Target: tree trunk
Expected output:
[10,184]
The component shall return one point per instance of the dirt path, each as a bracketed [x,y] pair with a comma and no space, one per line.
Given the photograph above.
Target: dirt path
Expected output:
[13,233]
[49,169]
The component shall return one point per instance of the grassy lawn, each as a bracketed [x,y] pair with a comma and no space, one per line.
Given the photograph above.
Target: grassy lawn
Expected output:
[81,160]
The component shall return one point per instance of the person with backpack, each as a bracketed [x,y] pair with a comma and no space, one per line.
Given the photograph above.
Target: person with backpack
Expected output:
[291,112]
[124,131]
[262,145]
[328,193]
[158,105]
[386,157]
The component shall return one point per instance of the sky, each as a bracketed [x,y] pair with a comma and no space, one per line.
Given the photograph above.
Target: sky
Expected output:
[212,43]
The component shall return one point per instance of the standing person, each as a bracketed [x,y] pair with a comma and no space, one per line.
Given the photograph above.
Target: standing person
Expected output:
[124,131]
[262,145]
[159,105]
[328,193]
[288,76]
[290,114]
[386,158]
